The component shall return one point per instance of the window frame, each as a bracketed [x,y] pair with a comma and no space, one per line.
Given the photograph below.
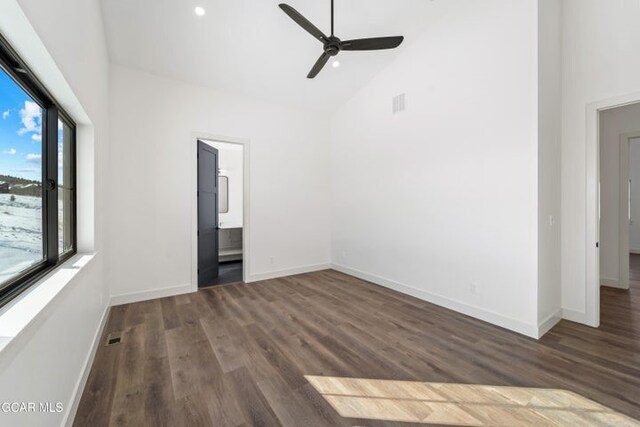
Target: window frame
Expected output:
[66,120]
[11,63]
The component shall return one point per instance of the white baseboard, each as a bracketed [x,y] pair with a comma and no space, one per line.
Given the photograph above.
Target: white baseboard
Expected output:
[530,330]
[86,369]
[286,272]
[188,288]
[549,322]
[610,283]
[574,315]
[152,294]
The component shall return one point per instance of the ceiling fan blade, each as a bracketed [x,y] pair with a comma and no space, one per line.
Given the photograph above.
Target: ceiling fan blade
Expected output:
[321,62]
[303,22]
[376,43]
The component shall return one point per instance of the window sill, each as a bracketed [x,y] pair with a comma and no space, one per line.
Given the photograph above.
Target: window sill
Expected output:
[22,311]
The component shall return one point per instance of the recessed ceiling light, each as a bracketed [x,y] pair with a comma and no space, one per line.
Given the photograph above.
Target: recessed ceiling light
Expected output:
[336,64]
[199,10]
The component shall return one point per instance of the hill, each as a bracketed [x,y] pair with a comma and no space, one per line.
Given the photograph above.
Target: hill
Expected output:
[19,186]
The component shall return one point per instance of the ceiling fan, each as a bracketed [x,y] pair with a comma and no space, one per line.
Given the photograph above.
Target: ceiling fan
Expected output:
[333,45]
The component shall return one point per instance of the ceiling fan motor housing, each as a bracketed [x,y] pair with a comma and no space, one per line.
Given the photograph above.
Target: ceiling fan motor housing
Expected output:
[332,47]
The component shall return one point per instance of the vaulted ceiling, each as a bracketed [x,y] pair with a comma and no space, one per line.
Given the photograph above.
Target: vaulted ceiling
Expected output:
[251,47]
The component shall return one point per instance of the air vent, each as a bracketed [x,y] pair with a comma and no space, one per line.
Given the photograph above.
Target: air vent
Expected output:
[399,103]
[113,339]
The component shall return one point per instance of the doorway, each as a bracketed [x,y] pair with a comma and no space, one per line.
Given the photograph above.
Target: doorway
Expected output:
[632,142]
[619,209]
[221,257]
[628,211]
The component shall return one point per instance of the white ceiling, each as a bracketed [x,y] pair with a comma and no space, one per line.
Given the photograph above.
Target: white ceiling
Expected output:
[251,47]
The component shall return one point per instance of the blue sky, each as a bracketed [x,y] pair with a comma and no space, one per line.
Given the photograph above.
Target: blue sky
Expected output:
[20,131]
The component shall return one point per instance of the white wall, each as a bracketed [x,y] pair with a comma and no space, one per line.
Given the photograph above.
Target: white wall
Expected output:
[230,164]
[549,133]
[600,42]
[444,195]
[46,361]
[152,124]
[634,176]
[613,123]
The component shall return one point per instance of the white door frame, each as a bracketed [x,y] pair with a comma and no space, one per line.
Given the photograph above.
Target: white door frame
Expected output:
[592,220]
[246,212]
[623,217]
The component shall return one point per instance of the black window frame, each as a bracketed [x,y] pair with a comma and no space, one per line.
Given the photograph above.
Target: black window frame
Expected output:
[18,70]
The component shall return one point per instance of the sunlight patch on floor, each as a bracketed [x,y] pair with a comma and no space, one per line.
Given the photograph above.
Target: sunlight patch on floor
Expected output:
[462,404]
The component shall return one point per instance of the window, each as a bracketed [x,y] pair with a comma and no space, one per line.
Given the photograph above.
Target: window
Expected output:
[37,178]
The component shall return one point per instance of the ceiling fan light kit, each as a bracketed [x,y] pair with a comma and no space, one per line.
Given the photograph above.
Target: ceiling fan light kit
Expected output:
[332,45]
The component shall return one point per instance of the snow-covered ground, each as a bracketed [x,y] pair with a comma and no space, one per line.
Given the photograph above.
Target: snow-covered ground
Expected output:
[20,234]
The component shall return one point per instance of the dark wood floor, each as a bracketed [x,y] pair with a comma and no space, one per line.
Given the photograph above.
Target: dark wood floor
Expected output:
[237,355]
[228,272]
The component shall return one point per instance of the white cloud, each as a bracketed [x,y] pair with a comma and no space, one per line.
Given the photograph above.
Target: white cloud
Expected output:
[37,137]
[5,114]
[27,170]
[10,151]
[35,158]
[31,117]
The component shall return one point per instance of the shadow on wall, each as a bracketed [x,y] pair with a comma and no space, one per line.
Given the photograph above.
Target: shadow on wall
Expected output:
[462,404]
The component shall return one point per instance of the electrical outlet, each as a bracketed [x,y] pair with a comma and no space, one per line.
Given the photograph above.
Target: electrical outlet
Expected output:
[474,288]
[399,103]
[271,260]
[552,220]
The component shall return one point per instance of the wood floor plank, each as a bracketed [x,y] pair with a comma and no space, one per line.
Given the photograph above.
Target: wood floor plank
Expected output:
[255,406]
[169,314]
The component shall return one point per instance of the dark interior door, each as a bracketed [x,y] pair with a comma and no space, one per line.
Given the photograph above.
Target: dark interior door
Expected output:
[207,214]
